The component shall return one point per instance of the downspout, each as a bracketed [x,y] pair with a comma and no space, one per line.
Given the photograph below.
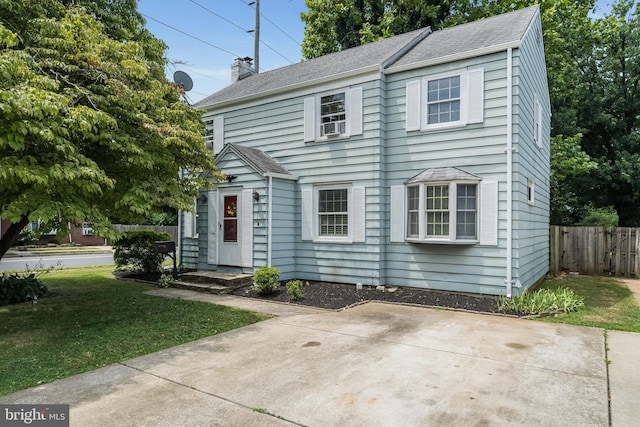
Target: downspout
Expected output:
[269,219]
[509,278]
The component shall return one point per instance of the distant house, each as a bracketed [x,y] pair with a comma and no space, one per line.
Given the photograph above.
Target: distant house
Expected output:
[420,160]
[80,235]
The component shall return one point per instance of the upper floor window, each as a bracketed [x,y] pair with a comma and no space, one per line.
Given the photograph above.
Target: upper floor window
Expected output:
[333,114]
[444,100]
[537,121]
[209,134]
[214,133]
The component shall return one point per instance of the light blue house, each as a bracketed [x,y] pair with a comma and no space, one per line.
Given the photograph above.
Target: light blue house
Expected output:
[421,160]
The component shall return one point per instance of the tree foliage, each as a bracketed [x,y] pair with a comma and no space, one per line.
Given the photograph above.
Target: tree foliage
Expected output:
[334,25]
[89,126]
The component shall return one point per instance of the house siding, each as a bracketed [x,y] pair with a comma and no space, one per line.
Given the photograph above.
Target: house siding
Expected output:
[475,148]
[531,233]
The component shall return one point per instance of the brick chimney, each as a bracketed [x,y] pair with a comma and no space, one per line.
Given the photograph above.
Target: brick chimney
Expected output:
[241,69]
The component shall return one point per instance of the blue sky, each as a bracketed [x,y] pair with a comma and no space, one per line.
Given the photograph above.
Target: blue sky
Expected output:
[206,42]
[209,66]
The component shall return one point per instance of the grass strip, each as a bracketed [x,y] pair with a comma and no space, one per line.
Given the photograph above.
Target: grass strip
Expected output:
[90,320]
[608,303]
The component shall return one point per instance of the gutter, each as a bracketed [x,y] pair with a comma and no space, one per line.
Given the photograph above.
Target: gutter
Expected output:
[509,149]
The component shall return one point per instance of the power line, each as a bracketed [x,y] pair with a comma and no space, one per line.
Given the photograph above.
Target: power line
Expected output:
[193,37]
[219,16]
[243,29]
[275,25]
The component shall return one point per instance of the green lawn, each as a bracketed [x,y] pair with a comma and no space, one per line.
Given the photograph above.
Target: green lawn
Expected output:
[91,320]
[608,303]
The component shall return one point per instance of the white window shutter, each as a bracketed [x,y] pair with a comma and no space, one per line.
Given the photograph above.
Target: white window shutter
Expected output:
[187,224]
[246,228]
[218,133]
[354,112]
[212,228]
[359,214]
[309,119]
[475,91]
[489,213]
[307,214]
[413,105]
[397,214]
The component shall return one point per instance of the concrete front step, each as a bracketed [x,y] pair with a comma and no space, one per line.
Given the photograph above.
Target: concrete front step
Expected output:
[213,282]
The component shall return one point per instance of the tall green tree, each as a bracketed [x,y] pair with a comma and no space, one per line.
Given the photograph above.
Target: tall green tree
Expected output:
[610,113]
[89,126]
[334,25]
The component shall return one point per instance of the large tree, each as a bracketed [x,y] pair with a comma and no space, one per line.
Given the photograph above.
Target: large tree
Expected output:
[333,25]
[90,129]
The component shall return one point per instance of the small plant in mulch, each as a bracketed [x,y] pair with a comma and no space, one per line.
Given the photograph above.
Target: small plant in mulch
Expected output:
[265,279]
[294,289]
[542,301]
[165,281]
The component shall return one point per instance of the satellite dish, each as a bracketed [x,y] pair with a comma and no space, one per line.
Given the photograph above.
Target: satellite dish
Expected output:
[181,78]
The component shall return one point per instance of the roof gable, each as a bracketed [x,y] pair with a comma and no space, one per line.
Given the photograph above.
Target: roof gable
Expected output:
[258,160]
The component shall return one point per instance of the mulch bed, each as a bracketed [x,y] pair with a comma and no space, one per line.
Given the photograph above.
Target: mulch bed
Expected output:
[336,296]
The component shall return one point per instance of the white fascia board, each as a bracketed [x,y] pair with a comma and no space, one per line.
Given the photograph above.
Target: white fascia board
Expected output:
[309,87]
[280,176]
[455,57]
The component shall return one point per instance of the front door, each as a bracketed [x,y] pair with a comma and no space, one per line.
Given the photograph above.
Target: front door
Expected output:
[230,229]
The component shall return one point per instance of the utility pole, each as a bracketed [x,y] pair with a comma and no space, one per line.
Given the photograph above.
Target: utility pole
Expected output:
[256,42]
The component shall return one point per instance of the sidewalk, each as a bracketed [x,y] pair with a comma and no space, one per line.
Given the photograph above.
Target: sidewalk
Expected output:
[58,250]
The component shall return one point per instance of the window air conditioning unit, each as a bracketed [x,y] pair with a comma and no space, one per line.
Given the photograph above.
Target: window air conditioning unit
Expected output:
[331,129]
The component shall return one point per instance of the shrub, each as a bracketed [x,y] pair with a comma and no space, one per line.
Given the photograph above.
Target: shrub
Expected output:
[134,251]
[265,279]
[27,237]
[543,301]
[21,287]
[599,217]
[294,289]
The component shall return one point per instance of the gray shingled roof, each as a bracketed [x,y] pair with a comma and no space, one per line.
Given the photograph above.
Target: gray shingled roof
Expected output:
[313,69]
[442,175]
[496,30]
[259,160]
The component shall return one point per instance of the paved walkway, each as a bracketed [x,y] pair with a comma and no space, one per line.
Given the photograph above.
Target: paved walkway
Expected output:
[374,365]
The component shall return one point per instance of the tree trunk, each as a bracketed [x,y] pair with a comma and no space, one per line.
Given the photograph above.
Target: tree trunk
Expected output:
[12,233]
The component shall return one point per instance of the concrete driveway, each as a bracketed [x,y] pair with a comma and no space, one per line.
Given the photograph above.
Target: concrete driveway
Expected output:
[372,365]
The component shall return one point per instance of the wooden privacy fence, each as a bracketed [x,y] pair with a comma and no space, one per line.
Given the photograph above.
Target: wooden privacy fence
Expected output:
[596,250]
[171,229]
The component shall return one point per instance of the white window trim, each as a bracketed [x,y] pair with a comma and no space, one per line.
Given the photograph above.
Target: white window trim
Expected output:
[422,216]
[87,229]
[471,100]
[537,121]
[356,211]
[316,214]
[531,192]
[353,114]
[464,99]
